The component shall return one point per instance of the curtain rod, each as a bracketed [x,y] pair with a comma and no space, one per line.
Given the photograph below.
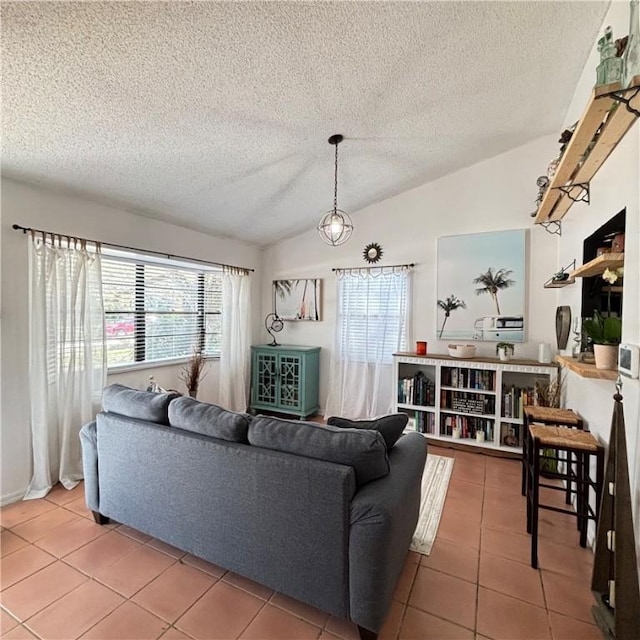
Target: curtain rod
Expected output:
[17,227]
[379,266]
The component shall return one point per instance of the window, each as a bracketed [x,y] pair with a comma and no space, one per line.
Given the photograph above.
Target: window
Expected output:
[372,315]
[156,312]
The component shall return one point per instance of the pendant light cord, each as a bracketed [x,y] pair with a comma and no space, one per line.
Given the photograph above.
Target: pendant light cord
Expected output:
[335,183]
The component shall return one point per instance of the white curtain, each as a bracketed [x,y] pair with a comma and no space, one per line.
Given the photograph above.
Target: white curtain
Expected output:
[236,332]
[372,323]
[67,355]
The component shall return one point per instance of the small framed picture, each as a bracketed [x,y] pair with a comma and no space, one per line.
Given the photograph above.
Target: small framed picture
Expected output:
[297,299]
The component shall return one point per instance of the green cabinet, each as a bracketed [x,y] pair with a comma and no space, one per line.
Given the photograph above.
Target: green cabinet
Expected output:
[284,379]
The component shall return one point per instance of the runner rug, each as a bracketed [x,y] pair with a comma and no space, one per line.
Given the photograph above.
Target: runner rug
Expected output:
[435,481]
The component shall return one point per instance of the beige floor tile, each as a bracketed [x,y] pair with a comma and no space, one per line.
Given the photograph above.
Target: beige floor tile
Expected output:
[102,552]
[10,542]
[453,559]
[511,578]
[455,528]
[419,625]
[173,634]
[273,622]
[405,581]
[300,609]
[44,524]
[133,571]
[7,622]
[71,536]
[40,589]
[22,563]
[223,612]
[61,496]
[76,612]
[20,633]
[254,588]
[569,596]
[503,618]
[174,591]
[566,628]
[129,622]
[393,621]
[445,596]
[23,510]
[506,544]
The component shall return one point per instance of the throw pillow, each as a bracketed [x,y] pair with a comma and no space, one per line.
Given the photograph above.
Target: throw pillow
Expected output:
[365,451]
[391,426]
[209,419]
[143,405]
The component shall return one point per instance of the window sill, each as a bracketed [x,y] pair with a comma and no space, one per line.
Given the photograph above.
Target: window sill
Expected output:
[139,366]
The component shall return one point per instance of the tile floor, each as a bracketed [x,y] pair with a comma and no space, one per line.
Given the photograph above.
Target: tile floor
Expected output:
[65,577]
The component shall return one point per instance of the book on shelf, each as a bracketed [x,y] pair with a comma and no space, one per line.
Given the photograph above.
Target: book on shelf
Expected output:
[417,390]
[511,435]
[466,426]
[422,422]
[514,399]
[467,402]
[482,380]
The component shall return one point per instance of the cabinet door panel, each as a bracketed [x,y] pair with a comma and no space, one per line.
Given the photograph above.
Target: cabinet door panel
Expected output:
[266,378]
[290,381]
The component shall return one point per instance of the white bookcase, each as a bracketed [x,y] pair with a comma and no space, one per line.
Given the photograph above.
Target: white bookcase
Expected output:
[451,399]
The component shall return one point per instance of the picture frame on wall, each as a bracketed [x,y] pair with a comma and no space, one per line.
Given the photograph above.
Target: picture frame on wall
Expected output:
[297,299]
[481,286]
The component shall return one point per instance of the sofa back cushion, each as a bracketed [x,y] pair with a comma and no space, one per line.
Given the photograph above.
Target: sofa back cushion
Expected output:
[208,419]
[363,450]
[391,426]
[143,405]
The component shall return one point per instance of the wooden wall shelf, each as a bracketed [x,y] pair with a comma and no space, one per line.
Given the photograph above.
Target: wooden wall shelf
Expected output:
[550,284]
[580,163]
[598,265]
[586,370]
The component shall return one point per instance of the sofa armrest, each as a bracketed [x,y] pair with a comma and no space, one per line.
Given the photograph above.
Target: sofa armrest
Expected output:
[384,515]
[89,441]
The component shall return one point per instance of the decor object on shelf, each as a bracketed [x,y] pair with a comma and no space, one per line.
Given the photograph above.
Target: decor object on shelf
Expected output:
[372,252]
[193,372]
[462,350]
[505,350]
[297,299]
[605,333]
[610,68]
[544,352]
[576,347]
[273,324]
[486,271]
[615,577]
[631,58]
[629,360]
[543,184]
[561,278]
[450,304]
[421,348]
[617,244]
[335,227]
[563,325]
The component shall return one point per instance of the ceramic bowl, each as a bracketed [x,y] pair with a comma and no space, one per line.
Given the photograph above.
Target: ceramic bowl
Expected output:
[462,350]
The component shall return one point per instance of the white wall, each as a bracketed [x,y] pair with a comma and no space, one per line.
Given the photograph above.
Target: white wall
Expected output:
[616,186]
[41,208]
[496,194]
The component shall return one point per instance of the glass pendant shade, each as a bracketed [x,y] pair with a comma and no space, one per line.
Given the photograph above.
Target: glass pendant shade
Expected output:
[335,227]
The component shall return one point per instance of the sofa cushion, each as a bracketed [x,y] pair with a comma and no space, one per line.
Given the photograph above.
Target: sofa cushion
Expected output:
[391,426]
[364,450]
[208,419]
[143,405]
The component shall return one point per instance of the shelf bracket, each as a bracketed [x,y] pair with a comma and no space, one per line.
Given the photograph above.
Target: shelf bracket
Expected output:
[585,193]
[554,227]
[619,96]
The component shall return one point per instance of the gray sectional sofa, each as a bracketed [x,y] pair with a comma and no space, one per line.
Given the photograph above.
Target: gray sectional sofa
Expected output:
[324,514]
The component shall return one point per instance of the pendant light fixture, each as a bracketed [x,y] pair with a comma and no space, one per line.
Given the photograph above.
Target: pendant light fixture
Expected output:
[335,227]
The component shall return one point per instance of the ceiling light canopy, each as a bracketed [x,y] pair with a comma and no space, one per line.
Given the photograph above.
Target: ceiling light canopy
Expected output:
[335,226]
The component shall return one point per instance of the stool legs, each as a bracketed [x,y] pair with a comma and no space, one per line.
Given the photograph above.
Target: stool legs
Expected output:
[535,497]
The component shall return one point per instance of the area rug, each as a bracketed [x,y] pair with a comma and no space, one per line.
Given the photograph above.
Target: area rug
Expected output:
[435,481]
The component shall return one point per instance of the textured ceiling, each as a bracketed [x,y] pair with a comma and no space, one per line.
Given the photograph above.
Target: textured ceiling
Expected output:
[215,116]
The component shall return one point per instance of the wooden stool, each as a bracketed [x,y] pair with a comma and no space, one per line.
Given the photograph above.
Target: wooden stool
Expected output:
[573,442]
[552,416]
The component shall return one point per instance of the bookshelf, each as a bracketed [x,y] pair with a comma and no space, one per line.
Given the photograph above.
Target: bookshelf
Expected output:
[477,402]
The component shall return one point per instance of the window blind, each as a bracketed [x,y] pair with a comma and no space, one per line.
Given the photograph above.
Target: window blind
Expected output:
[156,312]
[372,315]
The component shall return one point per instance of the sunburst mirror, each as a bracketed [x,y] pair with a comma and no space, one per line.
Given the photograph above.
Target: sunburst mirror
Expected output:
[372,252]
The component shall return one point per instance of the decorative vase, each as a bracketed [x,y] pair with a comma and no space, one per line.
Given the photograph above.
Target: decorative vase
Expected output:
[606,356]
[610,68]
[504,355]
[631,58]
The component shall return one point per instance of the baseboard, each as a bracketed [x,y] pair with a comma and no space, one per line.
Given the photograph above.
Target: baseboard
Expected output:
[12,497]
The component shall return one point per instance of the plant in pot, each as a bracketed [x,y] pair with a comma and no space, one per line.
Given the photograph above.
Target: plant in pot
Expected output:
[504,350]
[560,276]
[606,334]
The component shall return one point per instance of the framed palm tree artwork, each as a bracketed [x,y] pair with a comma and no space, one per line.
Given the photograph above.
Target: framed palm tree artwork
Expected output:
[297,299]
[481,289]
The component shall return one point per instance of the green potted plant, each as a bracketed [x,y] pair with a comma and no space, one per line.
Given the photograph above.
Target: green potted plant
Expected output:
[606,334]
[504,350]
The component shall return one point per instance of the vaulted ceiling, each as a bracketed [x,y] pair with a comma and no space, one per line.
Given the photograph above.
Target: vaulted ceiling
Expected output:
[215,115]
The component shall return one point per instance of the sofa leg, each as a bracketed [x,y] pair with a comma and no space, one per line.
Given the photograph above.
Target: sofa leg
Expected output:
[365,634]
[99,518]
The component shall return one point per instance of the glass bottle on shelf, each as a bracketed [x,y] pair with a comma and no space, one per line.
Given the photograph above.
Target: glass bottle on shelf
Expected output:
[610,68]
[631,57]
